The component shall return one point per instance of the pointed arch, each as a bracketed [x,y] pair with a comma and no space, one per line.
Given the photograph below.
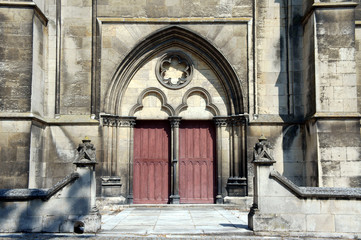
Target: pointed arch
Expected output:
[175,36]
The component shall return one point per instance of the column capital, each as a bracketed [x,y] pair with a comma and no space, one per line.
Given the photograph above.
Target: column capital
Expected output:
[118,121]
[174,121]
[221,121]
[238,120]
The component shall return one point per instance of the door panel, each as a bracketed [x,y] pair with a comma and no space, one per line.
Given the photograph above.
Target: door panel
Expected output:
[196,159]
[151,162]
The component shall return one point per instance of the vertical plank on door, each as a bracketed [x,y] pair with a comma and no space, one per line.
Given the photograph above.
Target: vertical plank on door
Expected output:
[197,161]
[151,162]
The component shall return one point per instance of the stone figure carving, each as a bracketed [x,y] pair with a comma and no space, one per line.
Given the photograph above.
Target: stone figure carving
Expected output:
[86,152]
[174,70]
[262,150]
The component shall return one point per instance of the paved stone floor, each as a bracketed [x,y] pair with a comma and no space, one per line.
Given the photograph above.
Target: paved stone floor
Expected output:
[155,221]
[163,223]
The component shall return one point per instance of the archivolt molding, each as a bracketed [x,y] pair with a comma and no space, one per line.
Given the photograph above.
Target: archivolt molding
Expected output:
[158,92]
[209,105]
[162,40]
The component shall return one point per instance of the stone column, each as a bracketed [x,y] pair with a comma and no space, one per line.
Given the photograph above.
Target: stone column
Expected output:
[237,182]
[175,121]
[131,158]
[220,122]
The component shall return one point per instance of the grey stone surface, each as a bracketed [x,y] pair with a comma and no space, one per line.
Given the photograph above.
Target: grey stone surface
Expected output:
[176,220]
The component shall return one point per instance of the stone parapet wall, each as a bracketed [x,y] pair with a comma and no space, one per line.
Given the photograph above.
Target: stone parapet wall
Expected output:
[282,207]
[68,206]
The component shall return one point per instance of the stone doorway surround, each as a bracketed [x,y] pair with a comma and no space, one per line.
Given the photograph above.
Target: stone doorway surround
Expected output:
[230,156]
[175,74]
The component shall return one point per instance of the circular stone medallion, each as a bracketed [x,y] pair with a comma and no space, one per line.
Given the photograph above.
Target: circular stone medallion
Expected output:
[174,70]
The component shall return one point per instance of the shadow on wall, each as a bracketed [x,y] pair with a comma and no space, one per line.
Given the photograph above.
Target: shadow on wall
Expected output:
[288,55]
[57,214]
[66,207]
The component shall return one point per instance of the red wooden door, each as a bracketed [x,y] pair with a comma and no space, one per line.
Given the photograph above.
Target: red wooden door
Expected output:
[151,162]
[196,159]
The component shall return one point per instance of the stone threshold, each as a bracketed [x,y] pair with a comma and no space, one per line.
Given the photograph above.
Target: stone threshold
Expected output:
[232,206]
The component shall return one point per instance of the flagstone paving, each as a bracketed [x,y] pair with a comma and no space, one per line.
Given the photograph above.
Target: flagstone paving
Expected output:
[150,221]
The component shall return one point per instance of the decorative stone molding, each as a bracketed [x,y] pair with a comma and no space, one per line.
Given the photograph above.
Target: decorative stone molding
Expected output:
[221,121]
[175,121]
[137,107]
[237,120]
[208,98]
[174,70]
[118,121]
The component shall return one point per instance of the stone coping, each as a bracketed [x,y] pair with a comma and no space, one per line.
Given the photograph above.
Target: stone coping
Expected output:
[58,119]
[30,194]
[38,11]
[317,192]
[308,14]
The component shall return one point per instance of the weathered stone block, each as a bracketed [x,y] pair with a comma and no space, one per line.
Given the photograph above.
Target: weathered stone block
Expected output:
[348,223]
[320,223]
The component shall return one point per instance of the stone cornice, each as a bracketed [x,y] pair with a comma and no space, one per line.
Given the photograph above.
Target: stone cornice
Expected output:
[174,20]
[61,119]
[20,4]
[282,120]
[326,5]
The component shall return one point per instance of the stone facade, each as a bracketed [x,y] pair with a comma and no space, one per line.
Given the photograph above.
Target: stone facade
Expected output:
[288,70]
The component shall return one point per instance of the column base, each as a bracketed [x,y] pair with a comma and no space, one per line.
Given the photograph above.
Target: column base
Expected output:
[130,199]
[174,199]
[219,199]
[237,187]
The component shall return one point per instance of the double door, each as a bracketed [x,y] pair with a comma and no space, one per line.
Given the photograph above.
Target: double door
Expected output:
[152,162]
